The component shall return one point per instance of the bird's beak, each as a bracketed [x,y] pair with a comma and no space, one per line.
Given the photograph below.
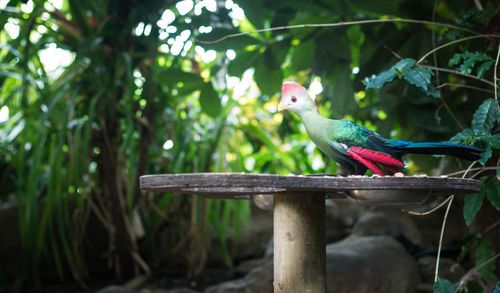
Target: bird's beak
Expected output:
[281,107]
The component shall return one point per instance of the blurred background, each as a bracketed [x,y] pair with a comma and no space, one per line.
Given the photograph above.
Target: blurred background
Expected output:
[96,93]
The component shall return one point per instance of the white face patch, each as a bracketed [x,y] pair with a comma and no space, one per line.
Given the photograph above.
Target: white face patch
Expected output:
[296,98]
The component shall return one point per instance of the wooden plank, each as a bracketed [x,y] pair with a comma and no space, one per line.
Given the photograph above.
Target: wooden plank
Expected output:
[229,185]
[299,243]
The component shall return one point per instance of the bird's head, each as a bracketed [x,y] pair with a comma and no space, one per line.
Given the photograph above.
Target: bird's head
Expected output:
[295,98]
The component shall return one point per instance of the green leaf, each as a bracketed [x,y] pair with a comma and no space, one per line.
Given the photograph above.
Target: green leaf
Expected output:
[485,155]
[243,61]
[419,77]
[483,68]
[443,286]
[209,100]
[493,192]
[303,55]
[463,137]
[377,81]
[484,253]
[484,117]
[470,59]
[494,141]
[472,204]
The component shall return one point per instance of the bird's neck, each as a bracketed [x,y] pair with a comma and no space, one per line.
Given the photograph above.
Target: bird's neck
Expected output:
[313,121]
[310,116]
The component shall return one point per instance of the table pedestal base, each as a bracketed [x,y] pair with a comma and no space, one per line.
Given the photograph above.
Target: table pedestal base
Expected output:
[299,243]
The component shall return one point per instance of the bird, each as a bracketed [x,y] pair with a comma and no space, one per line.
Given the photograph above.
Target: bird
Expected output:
[356,147]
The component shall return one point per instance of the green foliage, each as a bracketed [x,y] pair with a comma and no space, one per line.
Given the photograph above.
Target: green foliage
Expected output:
[405,69]
[483,258]
[443,286]
[77,139]
[472,204]
[467,60]
[480,132]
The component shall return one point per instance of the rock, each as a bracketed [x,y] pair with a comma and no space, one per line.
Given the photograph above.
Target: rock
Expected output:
[356,264]
[448,269]
[247,266]
[370,264]
[254,238]
[259,279]
[389,222]
[430,225]
[115,289]
[174,290]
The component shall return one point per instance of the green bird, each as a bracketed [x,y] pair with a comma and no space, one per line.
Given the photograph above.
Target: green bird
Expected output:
[355,147]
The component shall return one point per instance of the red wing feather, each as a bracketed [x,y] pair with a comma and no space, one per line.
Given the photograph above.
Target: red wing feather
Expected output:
[367,163]
[378,157]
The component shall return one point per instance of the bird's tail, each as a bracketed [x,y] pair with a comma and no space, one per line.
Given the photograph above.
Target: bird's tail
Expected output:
[440,148]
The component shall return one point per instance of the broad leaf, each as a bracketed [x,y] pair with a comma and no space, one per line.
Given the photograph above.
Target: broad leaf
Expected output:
[469,61]
[463,137]
[419,77]
[483,68]
[209,100]
[495,141]
[493,192]
[485,116]
[485,155]
[484,253]
[472,204]
[243,61]
[377,81]
[443,286]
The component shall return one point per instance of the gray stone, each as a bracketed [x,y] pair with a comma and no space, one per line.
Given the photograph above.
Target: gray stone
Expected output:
[259,280]
[448,269]
[370,264]
[175,290]
[389,223]
[247,266]
[115,289]
[355,264]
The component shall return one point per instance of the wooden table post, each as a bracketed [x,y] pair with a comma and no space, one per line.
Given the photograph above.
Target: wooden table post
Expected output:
[299,243]
[299,210]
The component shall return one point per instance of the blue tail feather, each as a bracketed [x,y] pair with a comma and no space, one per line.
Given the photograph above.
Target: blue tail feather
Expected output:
[437,148]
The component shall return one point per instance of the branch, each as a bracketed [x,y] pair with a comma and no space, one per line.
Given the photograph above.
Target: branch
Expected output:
[441,237]
[496,77]
[458,73]
[454,42]
[463,85]
[338,24]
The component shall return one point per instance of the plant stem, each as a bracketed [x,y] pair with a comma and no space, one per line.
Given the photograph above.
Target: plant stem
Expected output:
[342,23]
[463,85]
[496,77]
[458,73]
[453,42]
[441,237]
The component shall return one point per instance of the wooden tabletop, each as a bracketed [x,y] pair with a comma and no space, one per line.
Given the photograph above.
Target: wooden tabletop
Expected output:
[244,185]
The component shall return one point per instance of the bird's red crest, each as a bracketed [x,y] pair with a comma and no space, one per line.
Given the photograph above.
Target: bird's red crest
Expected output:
[292,88]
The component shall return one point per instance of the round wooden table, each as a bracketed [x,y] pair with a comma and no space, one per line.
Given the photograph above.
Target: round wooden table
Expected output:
[299,209]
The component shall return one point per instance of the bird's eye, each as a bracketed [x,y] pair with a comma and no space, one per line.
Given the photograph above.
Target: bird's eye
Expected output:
[294,99]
